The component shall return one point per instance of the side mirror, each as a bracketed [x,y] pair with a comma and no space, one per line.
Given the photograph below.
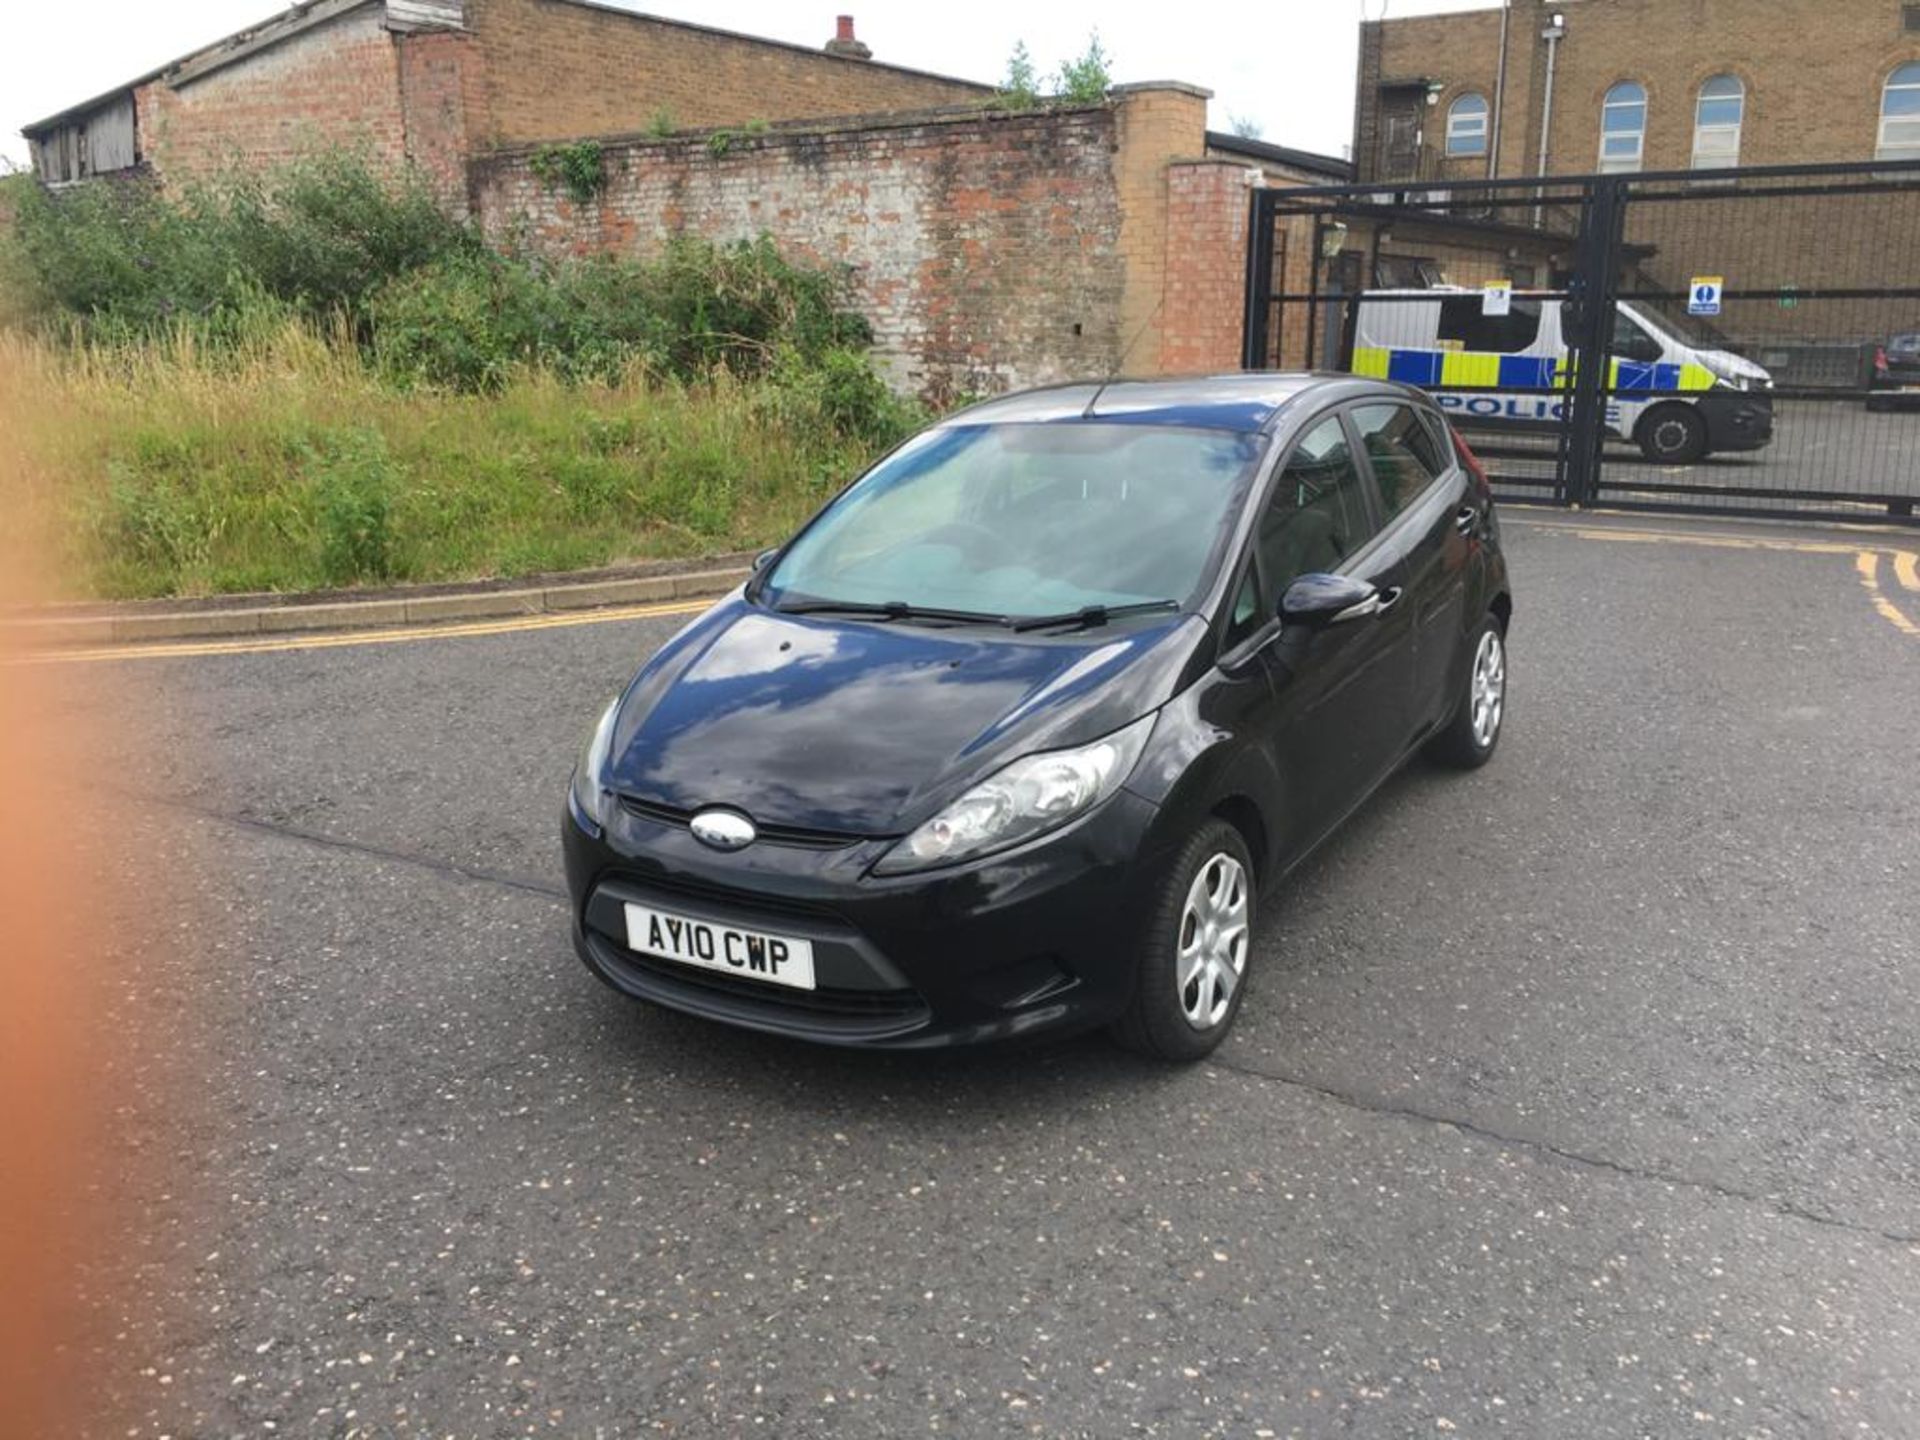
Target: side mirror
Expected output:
[1319,600]
[765,557]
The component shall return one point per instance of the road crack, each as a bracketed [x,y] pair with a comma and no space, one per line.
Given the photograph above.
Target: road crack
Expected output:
[1375,1106]
[476,874]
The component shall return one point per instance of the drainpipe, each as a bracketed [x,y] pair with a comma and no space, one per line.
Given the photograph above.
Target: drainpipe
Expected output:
[1499,94]
[1555,32]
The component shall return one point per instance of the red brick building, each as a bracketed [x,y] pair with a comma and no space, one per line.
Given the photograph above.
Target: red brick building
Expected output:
[438,81]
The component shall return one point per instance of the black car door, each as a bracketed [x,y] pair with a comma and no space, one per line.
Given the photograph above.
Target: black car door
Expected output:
[1432,520]
[1340,692]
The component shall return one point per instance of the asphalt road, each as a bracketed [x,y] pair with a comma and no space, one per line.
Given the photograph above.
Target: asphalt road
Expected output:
[1576,1098]
[1838,448]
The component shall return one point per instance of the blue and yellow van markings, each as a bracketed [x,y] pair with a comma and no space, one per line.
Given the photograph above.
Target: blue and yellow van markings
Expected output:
[1428,368]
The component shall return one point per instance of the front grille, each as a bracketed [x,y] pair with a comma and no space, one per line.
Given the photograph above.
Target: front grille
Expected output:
[793,836]
[848,1004]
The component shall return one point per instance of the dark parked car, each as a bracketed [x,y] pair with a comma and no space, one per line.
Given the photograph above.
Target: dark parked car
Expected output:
[1896,373]
[1014,736]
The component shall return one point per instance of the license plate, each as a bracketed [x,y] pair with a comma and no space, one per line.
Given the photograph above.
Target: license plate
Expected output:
[750,954]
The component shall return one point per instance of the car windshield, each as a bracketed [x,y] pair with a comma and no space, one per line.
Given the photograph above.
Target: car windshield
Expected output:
[1024,520]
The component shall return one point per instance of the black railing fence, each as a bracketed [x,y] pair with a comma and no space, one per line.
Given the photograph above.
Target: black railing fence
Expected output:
[1750,327]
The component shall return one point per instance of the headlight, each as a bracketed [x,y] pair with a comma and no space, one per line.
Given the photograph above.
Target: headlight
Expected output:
[1028,798]
[590,794]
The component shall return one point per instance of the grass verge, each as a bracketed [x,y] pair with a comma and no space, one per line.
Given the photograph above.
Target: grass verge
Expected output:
[282,460]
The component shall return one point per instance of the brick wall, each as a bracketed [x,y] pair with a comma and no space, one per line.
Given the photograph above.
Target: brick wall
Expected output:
[433,107]
[1206,266]
[984,248]
[337,84]
[559,69]
[1157,124]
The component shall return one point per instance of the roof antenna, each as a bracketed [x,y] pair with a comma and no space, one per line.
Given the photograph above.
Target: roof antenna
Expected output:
[1120,365]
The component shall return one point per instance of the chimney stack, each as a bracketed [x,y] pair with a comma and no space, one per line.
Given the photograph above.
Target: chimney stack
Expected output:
[843,42]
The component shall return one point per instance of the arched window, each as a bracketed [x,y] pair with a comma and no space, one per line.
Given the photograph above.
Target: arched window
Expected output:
[1467,125]
[1716,123]
[1623,127]
[1900,116]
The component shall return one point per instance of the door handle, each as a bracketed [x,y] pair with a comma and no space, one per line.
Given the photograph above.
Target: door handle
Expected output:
[1377,603]
[1467,519]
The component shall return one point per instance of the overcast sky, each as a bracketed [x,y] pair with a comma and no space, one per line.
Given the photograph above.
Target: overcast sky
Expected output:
[1286,65]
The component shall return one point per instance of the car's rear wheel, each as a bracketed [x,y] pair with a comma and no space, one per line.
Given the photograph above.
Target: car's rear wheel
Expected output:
[1474,730]
[1672,435]
[1191,970]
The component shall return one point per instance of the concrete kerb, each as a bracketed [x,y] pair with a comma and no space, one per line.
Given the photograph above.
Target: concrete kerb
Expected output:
[81,631]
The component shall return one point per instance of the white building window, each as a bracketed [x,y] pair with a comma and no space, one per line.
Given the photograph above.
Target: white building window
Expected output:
[1717,121]
[1467,125]
[1623,127]
[1900,116]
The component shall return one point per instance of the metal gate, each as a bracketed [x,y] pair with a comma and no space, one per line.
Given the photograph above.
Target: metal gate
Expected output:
[1756,332]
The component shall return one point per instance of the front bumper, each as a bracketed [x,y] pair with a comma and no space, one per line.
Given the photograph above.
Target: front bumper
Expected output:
[1737,419]
[1896,386]
[1038,940]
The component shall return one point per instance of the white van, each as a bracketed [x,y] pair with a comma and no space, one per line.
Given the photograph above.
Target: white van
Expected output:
[1703,399]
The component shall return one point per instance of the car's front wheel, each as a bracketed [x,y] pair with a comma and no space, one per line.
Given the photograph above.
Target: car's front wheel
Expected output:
[1672,435]
[1191,971]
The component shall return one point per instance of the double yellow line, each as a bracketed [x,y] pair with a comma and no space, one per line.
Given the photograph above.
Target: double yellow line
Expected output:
[264,645]
[1906,571]
[1866,558]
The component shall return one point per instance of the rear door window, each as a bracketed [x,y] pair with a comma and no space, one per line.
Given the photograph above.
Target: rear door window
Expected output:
[1465,325]
[1401,451]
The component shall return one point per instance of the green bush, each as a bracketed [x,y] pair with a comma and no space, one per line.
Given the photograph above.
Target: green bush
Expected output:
[318,237]
[472,322]
[353,481]
[1086,81]
[838,392]
[1021,89]
[580,167]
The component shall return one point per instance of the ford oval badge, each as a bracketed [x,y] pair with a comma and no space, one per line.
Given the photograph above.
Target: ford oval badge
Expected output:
[723,830]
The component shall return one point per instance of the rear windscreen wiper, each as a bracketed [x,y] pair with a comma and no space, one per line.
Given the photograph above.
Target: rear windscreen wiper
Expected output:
[889,610]
[1091,615]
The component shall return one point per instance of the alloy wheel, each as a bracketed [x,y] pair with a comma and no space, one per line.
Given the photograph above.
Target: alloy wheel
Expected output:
[1213,941]
[1489,697]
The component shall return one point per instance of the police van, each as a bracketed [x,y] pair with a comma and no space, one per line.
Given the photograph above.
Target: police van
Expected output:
[1700,399]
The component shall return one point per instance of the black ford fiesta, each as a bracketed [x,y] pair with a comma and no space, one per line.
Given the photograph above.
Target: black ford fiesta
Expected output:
[1014,736]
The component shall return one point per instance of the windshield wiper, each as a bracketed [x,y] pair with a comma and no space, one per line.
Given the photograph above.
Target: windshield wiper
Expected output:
[889,610]
[1091,615]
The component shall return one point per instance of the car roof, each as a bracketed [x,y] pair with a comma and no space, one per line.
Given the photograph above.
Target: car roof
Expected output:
[1244,401]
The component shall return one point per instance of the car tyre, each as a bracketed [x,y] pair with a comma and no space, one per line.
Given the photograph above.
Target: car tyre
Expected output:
[1472,733]
[1672,435]
[1191,967]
